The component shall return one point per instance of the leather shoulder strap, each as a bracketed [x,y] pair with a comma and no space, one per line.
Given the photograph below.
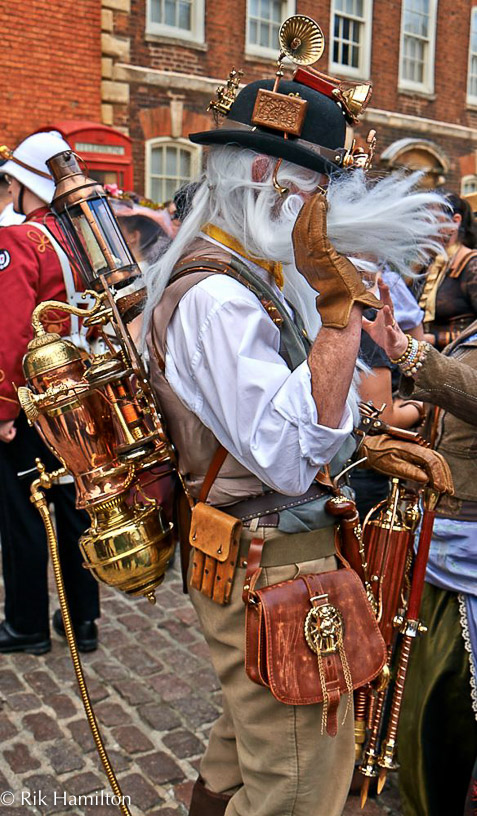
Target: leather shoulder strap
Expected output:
[175,292]
[460,261]
[218,460]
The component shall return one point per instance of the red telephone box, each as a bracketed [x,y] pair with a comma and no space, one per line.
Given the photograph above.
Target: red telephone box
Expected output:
[106,151]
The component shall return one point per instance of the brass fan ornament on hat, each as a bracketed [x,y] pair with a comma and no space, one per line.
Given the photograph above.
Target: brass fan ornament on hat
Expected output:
[281,111]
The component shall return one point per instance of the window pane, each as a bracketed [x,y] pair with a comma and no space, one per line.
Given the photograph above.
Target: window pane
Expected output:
[170,13]
[184,163]
[156,161]
[170,187]
[171,161]
[184,16]
[264,21]
[264,35]
[156,190]
[472,76]
[156,11]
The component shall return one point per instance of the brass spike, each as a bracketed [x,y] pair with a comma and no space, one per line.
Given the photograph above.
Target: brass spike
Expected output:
[364,792]
[381,780]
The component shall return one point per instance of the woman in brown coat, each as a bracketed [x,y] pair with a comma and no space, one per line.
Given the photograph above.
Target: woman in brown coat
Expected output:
[438,730]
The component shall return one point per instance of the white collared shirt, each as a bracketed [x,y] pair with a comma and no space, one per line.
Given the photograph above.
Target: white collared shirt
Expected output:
[223,362]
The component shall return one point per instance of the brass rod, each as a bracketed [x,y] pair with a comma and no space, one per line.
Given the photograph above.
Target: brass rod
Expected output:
[38,498]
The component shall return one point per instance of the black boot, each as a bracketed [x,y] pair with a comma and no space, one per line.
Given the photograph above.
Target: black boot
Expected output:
[86,632]
[12,641]
[205,802]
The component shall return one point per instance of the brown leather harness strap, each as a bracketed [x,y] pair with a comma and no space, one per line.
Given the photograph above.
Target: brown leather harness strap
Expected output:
[460,261]
[254,558]
[212,473]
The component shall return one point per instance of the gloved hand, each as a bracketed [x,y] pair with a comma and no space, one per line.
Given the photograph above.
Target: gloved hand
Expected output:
[408,460]
[331,274]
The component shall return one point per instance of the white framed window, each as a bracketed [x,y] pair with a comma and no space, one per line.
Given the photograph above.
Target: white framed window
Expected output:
[472,70]
[182,19]
[418,37]
[264,18]
[170,163]
[468,185]
[351,33]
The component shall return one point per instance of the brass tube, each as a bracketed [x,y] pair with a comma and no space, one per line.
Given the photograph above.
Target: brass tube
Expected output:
[98,235]
[65,307]
[38,498]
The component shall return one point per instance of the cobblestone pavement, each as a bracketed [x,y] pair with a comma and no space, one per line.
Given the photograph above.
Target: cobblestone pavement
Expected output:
[155,696]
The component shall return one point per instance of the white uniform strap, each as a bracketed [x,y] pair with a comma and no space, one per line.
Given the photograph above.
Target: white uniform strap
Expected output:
[74,298]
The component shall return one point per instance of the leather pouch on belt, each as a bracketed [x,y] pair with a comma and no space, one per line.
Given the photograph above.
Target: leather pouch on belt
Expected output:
[214,538]
[312,640]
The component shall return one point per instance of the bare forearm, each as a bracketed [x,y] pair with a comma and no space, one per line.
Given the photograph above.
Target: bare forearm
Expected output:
[332,360]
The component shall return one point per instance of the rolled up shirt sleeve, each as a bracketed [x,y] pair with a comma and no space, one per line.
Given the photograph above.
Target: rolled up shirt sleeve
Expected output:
[223,362]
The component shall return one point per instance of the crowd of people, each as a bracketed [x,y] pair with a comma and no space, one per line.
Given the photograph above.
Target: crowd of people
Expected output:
[263,296]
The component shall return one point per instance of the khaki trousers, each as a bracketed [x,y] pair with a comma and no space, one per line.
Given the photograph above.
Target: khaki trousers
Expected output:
[272,757]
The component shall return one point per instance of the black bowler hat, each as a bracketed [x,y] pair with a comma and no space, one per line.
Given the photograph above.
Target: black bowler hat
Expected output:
[319,146]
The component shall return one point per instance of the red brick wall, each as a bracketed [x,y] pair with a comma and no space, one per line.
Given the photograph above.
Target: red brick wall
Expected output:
[448,103]
[50,65]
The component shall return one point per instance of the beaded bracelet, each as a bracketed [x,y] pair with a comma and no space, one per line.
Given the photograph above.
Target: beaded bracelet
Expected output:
[414,361]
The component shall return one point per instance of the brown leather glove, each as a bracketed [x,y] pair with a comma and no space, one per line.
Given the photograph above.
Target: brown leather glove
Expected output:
[408,460]
[331,274]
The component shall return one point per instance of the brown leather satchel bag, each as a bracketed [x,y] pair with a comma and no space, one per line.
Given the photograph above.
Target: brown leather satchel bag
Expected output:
[312,639]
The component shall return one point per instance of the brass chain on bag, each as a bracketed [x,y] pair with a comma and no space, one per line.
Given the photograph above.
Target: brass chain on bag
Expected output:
[324,632]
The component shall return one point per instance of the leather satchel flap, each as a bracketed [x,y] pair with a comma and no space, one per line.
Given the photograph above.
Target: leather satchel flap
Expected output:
[291,665]
[213,532]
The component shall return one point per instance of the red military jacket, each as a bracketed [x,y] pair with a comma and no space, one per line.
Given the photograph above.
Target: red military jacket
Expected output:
[30,272]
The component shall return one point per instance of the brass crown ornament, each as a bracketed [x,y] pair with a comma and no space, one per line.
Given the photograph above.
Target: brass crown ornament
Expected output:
[225,95]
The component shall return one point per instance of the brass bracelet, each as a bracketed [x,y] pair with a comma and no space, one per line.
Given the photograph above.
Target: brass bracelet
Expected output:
[405,353]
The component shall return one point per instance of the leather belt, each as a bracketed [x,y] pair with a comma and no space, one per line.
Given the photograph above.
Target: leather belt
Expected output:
[268,504]
[291,548]
[461,509]
[268,520]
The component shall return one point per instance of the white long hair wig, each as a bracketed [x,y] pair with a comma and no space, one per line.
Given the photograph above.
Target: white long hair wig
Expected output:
[385,221]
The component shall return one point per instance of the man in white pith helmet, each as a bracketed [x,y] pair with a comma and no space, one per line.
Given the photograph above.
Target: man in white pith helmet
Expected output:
[33,268]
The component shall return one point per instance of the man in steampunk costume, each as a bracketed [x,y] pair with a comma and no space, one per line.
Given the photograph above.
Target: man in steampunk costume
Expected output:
[257,402]
[35,268]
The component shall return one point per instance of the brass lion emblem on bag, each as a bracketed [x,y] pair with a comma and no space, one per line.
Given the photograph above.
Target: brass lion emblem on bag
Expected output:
[323,627]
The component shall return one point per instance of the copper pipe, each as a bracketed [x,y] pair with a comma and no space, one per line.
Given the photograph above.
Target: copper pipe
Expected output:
[386,757]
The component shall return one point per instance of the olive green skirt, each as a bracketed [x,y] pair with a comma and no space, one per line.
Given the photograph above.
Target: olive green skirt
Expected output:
[437,740]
